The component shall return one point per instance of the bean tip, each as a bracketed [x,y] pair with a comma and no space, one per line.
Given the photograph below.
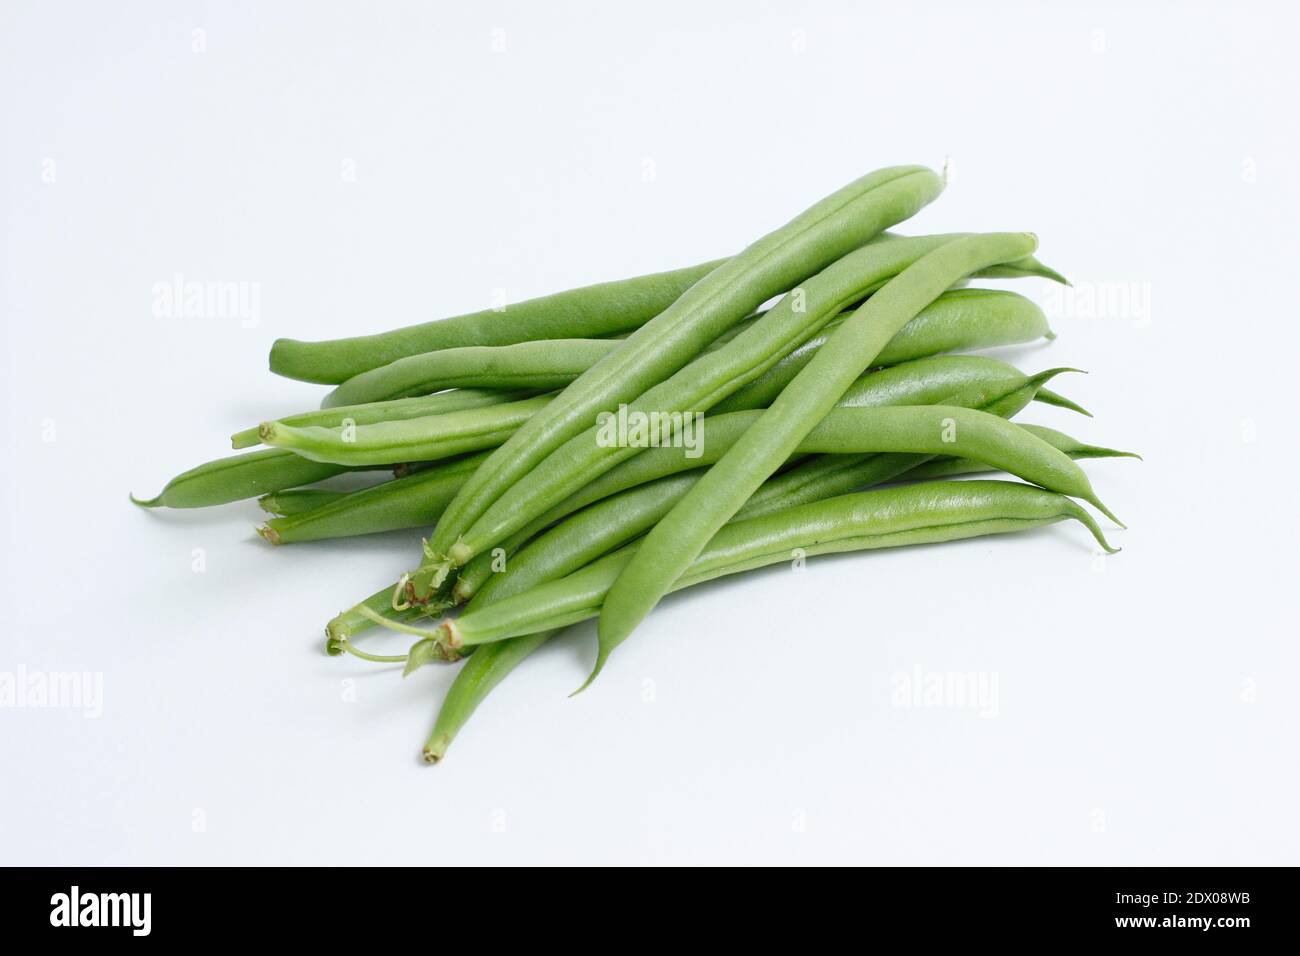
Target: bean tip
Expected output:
[1096,503]
[601,656]
[269,534]
[153,502]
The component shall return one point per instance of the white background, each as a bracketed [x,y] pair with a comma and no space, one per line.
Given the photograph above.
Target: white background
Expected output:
[1146,708]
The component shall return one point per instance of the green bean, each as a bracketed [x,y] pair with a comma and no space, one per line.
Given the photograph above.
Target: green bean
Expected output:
[296,501]
[541,365]
[927,512]
[675,542]
[974,381]
[457,400]
[774,264]
[407,502]
[482,672]
[956,321]
[240,476]
[416,439]
[594,311]
[948,467]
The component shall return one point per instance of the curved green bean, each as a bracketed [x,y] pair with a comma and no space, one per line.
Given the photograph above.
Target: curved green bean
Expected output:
[774,264]
[921,513]
[240,476]
[1077,450]
[674,543]
[909,430]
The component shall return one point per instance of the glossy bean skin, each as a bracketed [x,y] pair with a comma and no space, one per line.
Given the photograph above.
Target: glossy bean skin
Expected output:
[674,543]
[416,439]
[958,319]
[609,308]
[458,400]
[240,476]
[927,512]
[541,365]
[773,265]
[975,381]
[408,502]
[296,501]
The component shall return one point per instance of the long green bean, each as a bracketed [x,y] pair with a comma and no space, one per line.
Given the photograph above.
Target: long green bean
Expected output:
[240,476]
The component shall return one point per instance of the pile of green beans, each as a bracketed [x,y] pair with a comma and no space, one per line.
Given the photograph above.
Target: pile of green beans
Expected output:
[832,421]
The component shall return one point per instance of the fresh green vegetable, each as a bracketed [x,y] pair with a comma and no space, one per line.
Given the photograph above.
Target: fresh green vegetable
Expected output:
[772,265]
[675,542]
